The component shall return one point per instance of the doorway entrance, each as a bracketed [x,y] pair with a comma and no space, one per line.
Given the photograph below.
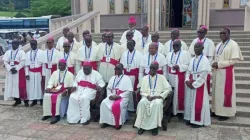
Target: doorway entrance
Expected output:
[175,16]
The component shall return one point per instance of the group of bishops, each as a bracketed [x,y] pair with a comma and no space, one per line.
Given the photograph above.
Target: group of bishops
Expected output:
[66,78]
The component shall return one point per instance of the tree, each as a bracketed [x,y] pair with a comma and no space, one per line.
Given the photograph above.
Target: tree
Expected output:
[50,7]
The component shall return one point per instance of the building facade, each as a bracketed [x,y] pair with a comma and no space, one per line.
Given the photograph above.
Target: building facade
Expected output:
[164,14]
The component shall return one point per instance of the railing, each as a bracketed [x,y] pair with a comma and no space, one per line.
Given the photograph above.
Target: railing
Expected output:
[79,24]
[247,17]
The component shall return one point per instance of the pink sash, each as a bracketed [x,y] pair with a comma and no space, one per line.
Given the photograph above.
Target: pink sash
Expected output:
[116,108]
[54,68]
[198,100]
[135,73]
[93,64]
[54,99]
[22,83]
[208,83]
[71,69]
[228,87]
[39,70]
[87,84]
[181,87]
[112,61]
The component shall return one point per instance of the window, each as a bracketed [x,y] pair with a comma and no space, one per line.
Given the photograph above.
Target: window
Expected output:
[42,23]
[16,24]
[125,6]
[139,6]
[243,2]
[111,6]
[226,3]
[90,5]
[5,24]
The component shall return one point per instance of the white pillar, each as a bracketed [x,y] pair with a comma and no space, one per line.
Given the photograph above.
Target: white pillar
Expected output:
[132,6]
[118,6]
[97,24]
[247,17]
[157,14]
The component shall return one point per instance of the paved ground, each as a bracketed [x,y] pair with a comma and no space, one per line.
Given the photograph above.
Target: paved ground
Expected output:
[22,123]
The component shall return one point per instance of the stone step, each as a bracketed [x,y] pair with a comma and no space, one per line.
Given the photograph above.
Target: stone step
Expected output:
[233,121]
[245,53]
[243,64]
[245,93]
[240,101]
[242,70]
[242,76]
[246,58]
[242,84]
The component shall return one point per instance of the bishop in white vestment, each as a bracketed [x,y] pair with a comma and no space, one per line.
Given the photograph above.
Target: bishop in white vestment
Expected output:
[175,33]
[109,55]
[63,39]
[15,82]
[59,86]
[74,45]
[144,41]
[154,89]
[197,109]
[113,109]
[227,54]
[131,61]
[129,37]
[155,38]
[84,35]
[86,85]
[34,72]
[177,65]
[137,34]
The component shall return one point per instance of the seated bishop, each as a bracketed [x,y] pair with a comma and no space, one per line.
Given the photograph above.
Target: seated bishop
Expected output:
[113,109]
[86,85]
[59,86]
[154,89]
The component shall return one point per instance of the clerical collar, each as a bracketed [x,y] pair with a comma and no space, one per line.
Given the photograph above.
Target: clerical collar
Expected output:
[177,52]
[225,41]
[153,76]
[198,55]
[62,71]
[119,76]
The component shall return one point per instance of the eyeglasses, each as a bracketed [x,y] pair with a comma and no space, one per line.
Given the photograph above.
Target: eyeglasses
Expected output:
[176,45]
[199,32]
[48,42]
[222,33]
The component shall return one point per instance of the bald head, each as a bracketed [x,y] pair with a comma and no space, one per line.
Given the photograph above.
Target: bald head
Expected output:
[176,45]
[198,47]
[155,37]
[175,33]
[66,46]
[153,48]
[144,31]
[129,35]
[109,38]
[65,31]
[15,44]
[84,33]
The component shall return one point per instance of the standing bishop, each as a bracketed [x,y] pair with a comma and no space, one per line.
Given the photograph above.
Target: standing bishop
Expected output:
[144,41]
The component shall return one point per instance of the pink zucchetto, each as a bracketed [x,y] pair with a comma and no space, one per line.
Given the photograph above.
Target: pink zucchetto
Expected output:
[86,63]
[62,61]
[132,20]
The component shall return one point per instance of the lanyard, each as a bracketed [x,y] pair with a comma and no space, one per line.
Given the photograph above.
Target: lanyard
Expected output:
[14,55]
[133,55]
[143,43]
[63,77]
[150,82]
[49,60]
[115,85]
[149,58]
[72,46]
[66,58]
[87,56]
[106,50]
[171,45]
[33,60]
[222,48]
[177,57]
[197,64]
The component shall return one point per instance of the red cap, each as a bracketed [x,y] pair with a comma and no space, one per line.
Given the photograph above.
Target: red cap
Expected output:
[51,38]
[204,27]
[155,62]
[63,61]
[132,20]
[86,63]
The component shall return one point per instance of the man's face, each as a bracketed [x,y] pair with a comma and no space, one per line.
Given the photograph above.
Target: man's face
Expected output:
[15,44]
[109,38]
[66,47]
[154,38]
[129,36]
[118,69]
[70,37]
[198,48]
[130,46]
[33,45]
[65,32]
[144,31]
[87,70]
[176,46]
[224,35]
[153,69]
[85,33]
[62,66]
[152,49]
[174,35]
[201,33]
[88,42]
[50,43]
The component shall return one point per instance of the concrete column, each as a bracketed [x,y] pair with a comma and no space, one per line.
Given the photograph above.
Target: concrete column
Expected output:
[97,25]
[247,17]
[149,15]
[152,10]
[102,6]
[157,14]
[235,4]
[203,13]
[118,7]
[83,6]
[132,6]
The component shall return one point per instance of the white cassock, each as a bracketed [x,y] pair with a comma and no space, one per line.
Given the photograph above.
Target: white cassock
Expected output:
[224,90]
[74,47]
[146,62]
[160,48]
[143,42]
[79,101]
[71,61]
[60,42]
[51,58]
[114,112]
[136,38]
[87,54]
[197,109]
[82,43]
[169,47]
[34,68]
[52,101]
[176,78]
[15,84]
[208,50]
[150,113]
[109,57]
[131,64]
[124,47]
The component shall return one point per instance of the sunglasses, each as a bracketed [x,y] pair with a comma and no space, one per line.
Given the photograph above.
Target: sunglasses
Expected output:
[176,45]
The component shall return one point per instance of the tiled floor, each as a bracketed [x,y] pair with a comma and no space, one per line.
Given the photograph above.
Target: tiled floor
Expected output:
[22,123]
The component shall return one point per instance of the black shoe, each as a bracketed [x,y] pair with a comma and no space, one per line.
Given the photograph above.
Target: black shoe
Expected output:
[141,131]
[223,118]
[86,123]
[16,103]
[26,104]
[45,118]
[104,125]
[55,120]
[33,103]
[196,126]
[118,128]
[180,116]
[188,123]
[155,132]
[41,102]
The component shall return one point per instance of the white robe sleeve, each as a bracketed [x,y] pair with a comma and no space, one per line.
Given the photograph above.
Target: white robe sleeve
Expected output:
[200,80]
[184,65]
[7,66]
[187,75]
[167,88]
[125,94]
[20,65]
[78,66]
[100,81]
[51,80]
[141,73]
[164,69]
